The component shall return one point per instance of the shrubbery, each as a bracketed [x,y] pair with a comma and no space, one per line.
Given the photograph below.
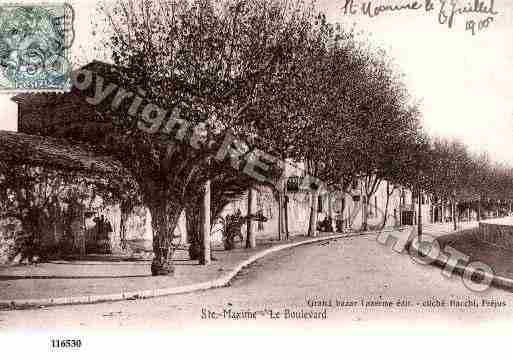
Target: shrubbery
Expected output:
[9,227]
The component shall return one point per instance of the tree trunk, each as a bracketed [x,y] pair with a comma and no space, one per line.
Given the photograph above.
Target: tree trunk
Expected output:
[365,209]
[193,226]
[385,214]
[250,230]
[401,206]
[454,210]
[343,212]
[312,227]
[479,210]
[280,215]
[164,218]
[286,216]
[330,201]
[192,223]
[205,226]
[31,224]
[349,222]
[125,212]
[419,221]
[82,238]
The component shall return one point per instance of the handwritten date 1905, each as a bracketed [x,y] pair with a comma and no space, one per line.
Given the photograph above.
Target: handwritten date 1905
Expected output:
[474,26]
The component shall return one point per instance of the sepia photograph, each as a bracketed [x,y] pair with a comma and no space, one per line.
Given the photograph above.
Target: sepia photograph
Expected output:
[185,176]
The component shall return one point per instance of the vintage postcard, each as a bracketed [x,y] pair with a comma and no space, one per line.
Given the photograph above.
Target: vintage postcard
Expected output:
[177,176]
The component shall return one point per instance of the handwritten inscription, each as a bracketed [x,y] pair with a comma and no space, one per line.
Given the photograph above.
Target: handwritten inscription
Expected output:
[447,11]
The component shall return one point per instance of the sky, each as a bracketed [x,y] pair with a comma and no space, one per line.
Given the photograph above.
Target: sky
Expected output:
[463,80]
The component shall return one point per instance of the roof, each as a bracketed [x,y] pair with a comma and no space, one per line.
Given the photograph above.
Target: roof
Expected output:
[21,148]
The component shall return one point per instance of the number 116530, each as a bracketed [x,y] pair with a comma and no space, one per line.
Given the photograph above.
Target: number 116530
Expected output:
[66,343]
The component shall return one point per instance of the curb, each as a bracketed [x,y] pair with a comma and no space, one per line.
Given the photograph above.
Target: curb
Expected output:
[220,282]
[496,281]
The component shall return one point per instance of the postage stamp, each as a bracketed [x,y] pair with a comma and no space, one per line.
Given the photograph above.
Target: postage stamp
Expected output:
[34,47]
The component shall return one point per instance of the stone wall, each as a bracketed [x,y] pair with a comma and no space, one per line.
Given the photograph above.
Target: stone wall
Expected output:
[498,233]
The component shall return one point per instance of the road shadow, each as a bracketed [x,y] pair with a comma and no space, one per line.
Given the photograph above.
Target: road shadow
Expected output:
[98,258]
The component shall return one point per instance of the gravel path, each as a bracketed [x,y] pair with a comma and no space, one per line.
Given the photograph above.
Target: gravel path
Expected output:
[348,270]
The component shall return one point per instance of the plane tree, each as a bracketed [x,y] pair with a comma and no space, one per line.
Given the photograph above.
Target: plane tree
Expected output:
[312,111]
[385,125]
[356,120]
[406,156]
[203,62]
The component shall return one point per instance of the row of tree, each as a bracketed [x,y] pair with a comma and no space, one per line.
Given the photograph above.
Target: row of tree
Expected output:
[287,81]
[281,78]
[450,172]
[276,74]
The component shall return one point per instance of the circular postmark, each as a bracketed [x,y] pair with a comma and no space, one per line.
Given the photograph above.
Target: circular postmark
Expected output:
[33,46]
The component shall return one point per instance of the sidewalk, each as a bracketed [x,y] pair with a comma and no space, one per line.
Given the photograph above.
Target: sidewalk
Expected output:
[110,278]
